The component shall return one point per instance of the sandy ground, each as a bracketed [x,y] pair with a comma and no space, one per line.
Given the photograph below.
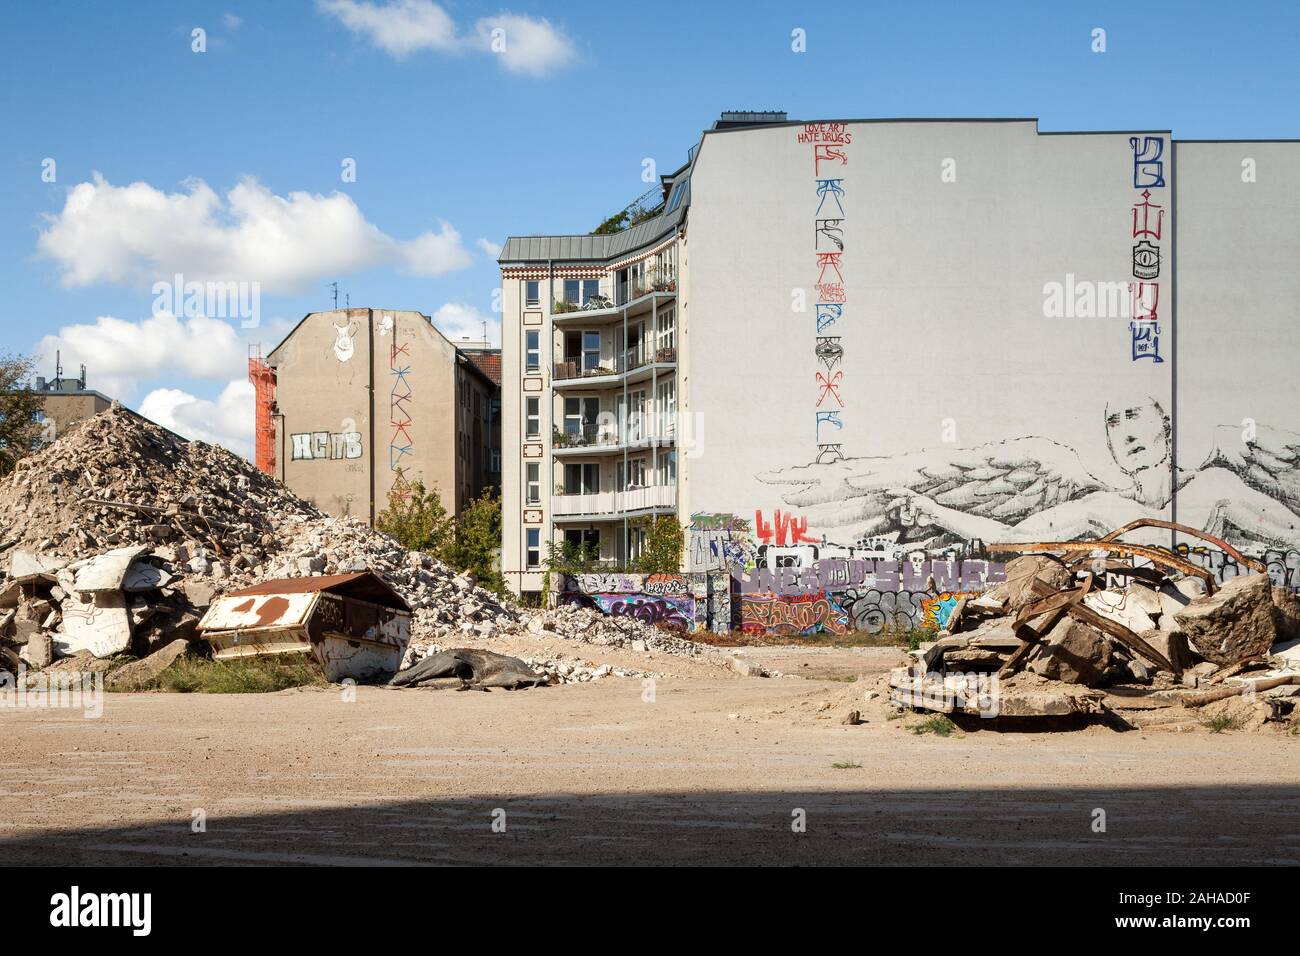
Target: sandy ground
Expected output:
[711,768]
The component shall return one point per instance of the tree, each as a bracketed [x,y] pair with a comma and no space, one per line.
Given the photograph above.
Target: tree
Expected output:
[416,518]
[477,542]
[18,407]
[571,558]
[664,539]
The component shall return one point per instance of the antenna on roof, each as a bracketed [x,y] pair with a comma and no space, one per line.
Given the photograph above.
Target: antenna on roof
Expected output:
[58,364]
[335,286]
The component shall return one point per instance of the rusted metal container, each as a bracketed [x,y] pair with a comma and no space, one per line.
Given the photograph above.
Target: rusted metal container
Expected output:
[354,625]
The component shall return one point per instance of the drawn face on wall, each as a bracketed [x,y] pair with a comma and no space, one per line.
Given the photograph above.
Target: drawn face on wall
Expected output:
[1137,434]
[343,345]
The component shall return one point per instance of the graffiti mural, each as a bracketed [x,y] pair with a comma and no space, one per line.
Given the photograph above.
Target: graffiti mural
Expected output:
[1247,490]
[719,542]
[400,399]
[803,614]
[1148,228]
[828,142]
[673,613]
[682,602]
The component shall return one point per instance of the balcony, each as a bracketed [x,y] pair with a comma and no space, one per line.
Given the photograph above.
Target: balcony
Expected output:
[615,504]
[570,371]
[603,440]
[603,311]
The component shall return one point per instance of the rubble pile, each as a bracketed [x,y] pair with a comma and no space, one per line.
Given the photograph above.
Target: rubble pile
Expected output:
[443,602]
[118,479]
[1052,640]
[592,627]
[118,536]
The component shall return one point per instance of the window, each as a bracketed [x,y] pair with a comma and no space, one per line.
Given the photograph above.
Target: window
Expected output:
[496,462]
[668,331]
[635,427]
[670,467]
[578,291]
[667,407]
[590,351]
[532,292]
[635,474]
[583,479]
[533,480]
[533,557]
[532,351]
[580,416]
[586,538]
[533,417]
[675,199]
[635,543]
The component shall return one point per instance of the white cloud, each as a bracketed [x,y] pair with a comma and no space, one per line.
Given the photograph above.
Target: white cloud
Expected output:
[139,234]
[228,421]
[457,321]
[525,45]
[118,354]
[493,249]
[232,21]
[399,28]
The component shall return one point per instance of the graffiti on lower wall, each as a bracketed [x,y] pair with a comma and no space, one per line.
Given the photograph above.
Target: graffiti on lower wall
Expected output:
[673,613]
[835,596]
[331,446]
[698,601]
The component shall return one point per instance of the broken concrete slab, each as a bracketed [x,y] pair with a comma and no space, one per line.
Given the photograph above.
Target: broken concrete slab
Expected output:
[1288,614]
[143,576]
[1122,607]
[107,571]
[1072,652]
[1173,645]
[28,565]
[100,625]
[139,673]
[39,650]
[1021,572]
[1237,622]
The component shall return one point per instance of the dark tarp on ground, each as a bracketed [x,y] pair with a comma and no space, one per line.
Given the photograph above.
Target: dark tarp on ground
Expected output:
[477,668]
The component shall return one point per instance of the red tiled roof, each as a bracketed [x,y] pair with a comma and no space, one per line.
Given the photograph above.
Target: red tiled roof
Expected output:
[489,363]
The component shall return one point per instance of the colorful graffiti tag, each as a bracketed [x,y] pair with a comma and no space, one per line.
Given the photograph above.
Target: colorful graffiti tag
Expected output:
[800,615]
[400,396]
[829,142]
[1148,228]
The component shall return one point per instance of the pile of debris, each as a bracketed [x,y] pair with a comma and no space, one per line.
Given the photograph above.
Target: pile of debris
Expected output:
[116,538]
[1052,640]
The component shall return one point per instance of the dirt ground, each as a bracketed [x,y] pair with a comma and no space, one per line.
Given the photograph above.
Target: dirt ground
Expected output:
[702,766]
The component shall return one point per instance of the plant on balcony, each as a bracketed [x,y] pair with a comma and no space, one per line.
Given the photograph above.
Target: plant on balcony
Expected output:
[560,307]
[664,539]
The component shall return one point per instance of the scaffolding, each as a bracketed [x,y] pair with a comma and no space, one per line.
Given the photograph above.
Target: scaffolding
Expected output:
[263,378]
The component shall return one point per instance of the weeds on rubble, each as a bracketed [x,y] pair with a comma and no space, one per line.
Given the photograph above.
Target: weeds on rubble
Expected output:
[1220,722]
[249,675]
[939,725]
[846,765]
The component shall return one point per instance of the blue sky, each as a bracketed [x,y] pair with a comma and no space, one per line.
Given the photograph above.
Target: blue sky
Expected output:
[227,163]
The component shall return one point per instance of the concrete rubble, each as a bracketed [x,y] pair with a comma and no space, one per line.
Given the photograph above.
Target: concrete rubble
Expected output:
[116,538]
[1157,645]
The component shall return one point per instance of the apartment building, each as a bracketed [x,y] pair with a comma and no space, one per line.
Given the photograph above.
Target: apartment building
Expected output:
[357,404]
[65,401]
[859,340]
